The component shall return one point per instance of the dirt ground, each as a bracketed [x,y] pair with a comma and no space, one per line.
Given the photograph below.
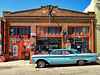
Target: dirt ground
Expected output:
[22,67]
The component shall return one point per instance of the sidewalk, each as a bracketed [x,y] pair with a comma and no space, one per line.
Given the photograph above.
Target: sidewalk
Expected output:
[17,63]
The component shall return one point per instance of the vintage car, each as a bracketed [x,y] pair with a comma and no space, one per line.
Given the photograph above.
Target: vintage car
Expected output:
[64,56]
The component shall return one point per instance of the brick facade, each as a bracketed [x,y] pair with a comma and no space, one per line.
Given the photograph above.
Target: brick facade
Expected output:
[36,17]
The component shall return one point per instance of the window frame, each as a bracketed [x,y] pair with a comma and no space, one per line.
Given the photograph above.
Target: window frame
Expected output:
[19,29]
[49,35]
[82,35]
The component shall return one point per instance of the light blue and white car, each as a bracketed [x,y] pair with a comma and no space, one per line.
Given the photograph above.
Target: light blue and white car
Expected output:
[64,56]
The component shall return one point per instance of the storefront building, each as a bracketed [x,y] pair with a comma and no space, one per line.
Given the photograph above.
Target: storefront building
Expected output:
[46,27]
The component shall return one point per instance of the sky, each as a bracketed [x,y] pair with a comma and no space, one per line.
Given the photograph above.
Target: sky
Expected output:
[18,5]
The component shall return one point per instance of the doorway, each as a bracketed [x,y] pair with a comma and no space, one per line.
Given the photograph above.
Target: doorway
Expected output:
[78,46]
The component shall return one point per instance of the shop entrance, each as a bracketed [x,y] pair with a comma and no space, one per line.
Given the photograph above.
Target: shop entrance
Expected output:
[19,43]
[81,44]
[78,46]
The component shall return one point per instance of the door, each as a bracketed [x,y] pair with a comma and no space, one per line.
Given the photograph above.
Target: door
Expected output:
[15,50]
[58,58]
[70,57]
[78,46]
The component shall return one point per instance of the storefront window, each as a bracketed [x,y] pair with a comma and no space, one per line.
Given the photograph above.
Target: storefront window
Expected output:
[21,31]
[48,30]
[72,30]
[14,31]
[59,30]
[29,30]
[52,31]
[78,39]
[76,30]
[69,30]
[18,31]
[80,30]
[25,31]
[83,30]
[56,30]
[51,43]
[41,30]
[45,30]
[87,30]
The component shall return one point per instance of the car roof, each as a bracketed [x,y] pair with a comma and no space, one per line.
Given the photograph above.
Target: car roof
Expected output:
[65,49]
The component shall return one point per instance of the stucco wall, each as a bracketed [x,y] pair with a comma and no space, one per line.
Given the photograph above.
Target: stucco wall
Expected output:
[97,27]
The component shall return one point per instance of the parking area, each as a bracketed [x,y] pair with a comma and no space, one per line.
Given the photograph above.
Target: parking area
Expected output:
[22,67]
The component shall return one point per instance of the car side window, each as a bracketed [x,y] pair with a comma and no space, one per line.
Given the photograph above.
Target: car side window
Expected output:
[52,53]
[59,52]
[69,52]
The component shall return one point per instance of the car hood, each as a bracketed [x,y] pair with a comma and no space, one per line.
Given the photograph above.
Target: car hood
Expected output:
[40,55]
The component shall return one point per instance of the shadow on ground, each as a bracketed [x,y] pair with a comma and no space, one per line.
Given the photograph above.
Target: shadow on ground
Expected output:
[68,65]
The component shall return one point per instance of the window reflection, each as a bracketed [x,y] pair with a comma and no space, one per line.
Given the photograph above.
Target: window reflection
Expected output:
[14,31]
[18,31]
[80,30]
[59,30]
[83,30]
[87,30]
[41,30]
[72,30]
[45,30]
[48,30]
[38,30]
[25,31]
[76,30]
[52,31]
[69,30]
[56,30]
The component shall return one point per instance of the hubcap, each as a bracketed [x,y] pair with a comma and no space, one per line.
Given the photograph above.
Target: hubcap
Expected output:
[41,64]
[81,62]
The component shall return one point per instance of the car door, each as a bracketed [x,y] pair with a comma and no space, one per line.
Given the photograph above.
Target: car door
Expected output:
[58,58]
[70,57]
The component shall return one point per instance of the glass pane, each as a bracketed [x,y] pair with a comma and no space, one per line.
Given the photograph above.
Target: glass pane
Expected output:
[25,31]
[69,30]
[56,30]
[29,30]
[18,31]
[48,30]
[83,30]
[87,30]
[52,31]
[76,30]
[14,32]
[41,30]
[11,31]
[21,31]
[45,30]
[38,30]
[72,30]
[80,30]
[59,30]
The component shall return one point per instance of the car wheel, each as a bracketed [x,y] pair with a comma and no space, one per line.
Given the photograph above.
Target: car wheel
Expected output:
[81,62]
[41,64]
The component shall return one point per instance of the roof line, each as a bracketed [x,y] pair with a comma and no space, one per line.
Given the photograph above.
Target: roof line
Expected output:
[73,11]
